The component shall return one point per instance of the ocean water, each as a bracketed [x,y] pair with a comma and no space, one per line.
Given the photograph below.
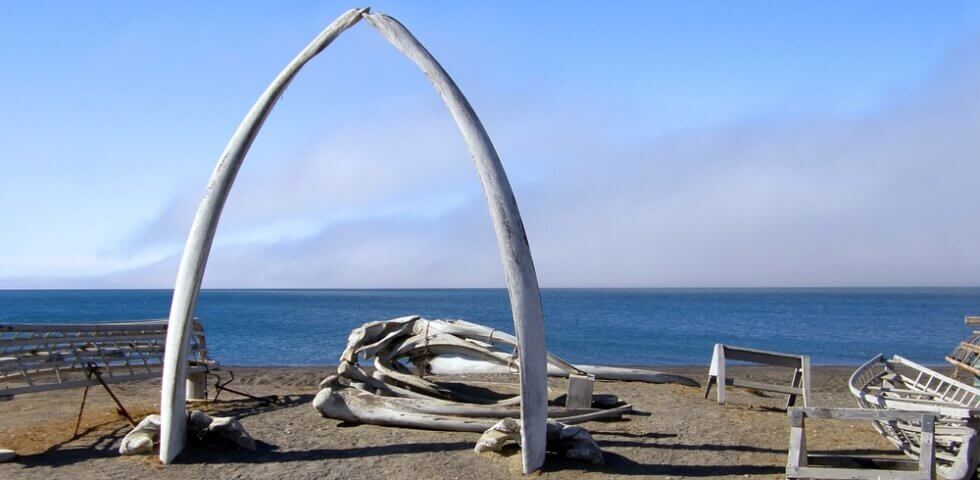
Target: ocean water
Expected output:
[842,326]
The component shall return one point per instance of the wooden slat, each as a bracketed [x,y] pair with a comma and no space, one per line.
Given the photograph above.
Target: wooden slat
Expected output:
[769,387]
[69,360]
[158,324]
[799,466]
[53,341]
[852,474]
[902,390]
[964,366]
[969,347]
[44,357]
[761,356]
[861,414]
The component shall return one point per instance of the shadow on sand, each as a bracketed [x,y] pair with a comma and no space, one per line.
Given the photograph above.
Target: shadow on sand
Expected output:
[103,445]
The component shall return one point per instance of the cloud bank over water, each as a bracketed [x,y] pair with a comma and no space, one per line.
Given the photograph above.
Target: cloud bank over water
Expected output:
[881,199]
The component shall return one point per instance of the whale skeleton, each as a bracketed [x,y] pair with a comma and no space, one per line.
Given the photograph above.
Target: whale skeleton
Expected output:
[397,392]
[515,253]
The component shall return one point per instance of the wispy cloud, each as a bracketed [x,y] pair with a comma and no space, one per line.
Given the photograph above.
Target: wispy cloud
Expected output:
[880,199]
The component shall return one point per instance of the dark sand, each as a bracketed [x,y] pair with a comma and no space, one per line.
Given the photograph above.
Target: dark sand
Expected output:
[680,434]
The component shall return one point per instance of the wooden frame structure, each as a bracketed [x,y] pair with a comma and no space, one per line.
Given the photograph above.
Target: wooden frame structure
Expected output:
[903,385]
[799,384]
[800,464]
[966,355]
[42,357]
[512,243]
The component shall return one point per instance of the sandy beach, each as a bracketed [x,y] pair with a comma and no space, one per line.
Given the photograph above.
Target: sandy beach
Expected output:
[675,433]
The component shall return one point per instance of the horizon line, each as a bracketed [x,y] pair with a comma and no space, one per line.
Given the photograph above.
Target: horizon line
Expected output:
[840,287]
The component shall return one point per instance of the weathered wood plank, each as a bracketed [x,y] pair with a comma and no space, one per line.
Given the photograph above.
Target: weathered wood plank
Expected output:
[799,466]
[852,474]
[799,384]
[796,383]
[154,324]
[805,378]
[761,356]
[860,414]
[720,372]
[927,448]
[580,389]
[770,387]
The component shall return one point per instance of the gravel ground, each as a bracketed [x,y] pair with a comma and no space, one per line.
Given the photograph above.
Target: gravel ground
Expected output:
[676,433]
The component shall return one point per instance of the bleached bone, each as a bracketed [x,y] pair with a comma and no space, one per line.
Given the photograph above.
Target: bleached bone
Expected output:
[457,365]
[572,442]
[495,438]
[515,253]
[228,428]
[352,405]
[388,343]
[394,395]
[623,374]
[522,281]
[140,440]
[198,246]
[415,337]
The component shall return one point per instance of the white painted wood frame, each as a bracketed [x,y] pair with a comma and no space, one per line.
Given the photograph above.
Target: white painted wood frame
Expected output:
[799,384]
[798,465]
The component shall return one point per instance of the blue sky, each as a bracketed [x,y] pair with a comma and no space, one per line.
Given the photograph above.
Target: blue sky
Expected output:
[650,143]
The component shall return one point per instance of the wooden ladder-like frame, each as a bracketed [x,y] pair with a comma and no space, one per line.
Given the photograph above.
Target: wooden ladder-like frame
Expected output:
[798,464]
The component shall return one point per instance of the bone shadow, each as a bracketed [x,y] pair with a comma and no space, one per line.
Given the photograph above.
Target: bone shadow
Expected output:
[266,453]
[105,445]
[633,435]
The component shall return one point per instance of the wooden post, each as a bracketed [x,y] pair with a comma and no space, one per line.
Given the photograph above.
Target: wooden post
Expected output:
[805,377]
[797,444]
[712,371]
[197,387]
[797,383]
[580,388]
[927,448]
[707,385]
[719,367]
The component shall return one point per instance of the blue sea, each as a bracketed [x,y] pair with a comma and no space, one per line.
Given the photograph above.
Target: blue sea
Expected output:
[842,326]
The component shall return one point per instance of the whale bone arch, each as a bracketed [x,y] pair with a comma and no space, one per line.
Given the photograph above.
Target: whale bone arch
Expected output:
[515,253]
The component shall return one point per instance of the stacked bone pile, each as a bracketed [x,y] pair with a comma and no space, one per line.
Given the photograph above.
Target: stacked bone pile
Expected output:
[394,390]
[143,439]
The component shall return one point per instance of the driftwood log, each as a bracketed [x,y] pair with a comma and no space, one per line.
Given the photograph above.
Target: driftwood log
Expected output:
[522,284]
